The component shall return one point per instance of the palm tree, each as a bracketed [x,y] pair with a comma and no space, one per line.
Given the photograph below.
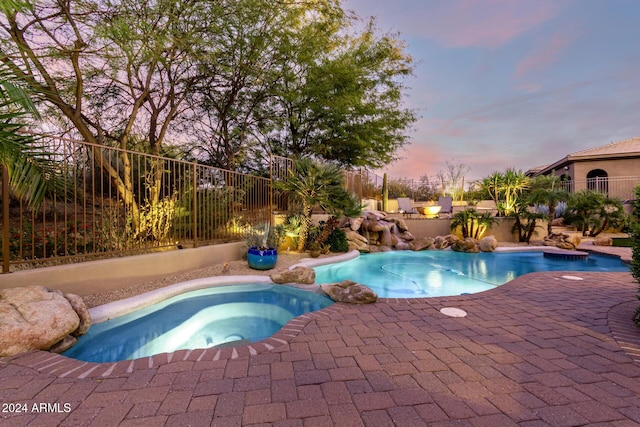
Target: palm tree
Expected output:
[526,221]
[21,159]
[548,191]
[312,183]
[472,223]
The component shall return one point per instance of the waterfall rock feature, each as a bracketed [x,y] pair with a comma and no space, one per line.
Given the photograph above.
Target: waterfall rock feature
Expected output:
[374,231]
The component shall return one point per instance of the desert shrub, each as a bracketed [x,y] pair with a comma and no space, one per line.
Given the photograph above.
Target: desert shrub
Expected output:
[338,241]
[263,235]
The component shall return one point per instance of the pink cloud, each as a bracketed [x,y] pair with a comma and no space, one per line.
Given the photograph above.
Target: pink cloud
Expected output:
[541,57]
[479,23]
[445,127]
[418,159]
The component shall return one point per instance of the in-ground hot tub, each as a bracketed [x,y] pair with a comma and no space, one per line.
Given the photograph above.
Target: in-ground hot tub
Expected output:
[215,316]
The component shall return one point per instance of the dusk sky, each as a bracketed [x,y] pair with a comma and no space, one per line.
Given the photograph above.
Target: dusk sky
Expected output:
[513,83]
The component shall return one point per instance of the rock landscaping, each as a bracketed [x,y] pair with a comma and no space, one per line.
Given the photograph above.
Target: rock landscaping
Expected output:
[39,318]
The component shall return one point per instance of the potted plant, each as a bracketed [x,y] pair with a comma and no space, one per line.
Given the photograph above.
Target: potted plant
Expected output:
[263,255]
[314,250]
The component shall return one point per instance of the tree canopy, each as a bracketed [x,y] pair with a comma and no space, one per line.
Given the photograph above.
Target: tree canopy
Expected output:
[233,80]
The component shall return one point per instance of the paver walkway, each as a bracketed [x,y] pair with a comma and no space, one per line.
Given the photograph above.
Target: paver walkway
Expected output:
[541,350]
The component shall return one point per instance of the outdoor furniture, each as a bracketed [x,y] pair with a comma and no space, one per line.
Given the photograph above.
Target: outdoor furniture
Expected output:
[405,206]
[447,204]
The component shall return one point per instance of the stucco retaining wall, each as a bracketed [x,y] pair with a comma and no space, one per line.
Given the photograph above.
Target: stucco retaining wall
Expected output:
[441,227]
[91,277]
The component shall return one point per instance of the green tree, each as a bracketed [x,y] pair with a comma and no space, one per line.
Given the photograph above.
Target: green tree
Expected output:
[400,188]
[245,55]
[594,212]
[109,70]
[547,190]
[312,183]
[340,98]
[526,221]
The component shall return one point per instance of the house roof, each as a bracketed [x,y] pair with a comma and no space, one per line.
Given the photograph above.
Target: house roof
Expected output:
[617,149]
[620,149]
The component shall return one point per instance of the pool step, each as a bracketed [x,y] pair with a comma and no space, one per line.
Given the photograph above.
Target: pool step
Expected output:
[565,254]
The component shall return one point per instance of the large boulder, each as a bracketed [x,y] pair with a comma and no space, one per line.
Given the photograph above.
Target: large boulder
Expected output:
[406,236]
[467,244]
[402,226]
[562,240]
[349,292]
[355,223]
[488,244]
[356,241]
[77,303]
[422,243]
[374,215]
[443,242]
[37,318]
[304,275]
[373,225]
[603,241]
[402,246]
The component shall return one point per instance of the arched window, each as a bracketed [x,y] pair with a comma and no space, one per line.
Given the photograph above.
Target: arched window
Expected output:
[598,180]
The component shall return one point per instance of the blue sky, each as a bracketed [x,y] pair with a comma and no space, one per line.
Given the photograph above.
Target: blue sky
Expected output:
[513,83]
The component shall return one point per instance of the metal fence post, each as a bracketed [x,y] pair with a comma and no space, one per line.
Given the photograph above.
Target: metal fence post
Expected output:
[5,219]
[194,207]
[271,190]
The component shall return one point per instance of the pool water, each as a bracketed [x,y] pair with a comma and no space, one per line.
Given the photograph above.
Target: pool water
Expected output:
[198,319]
[407,274]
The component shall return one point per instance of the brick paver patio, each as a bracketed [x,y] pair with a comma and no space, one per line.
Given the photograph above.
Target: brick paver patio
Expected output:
[541,350]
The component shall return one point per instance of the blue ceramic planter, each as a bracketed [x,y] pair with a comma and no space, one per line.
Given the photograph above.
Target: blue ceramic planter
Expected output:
[262,259]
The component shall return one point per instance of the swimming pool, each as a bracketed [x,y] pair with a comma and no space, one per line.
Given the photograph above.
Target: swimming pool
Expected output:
[407,274]
[198,319]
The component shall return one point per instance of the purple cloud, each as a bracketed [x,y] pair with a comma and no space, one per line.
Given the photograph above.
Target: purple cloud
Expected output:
[543,56]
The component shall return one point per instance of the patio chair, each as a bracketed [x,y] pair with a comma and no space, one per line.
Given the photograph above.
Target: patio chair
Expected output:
[447,205]
[404,206]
